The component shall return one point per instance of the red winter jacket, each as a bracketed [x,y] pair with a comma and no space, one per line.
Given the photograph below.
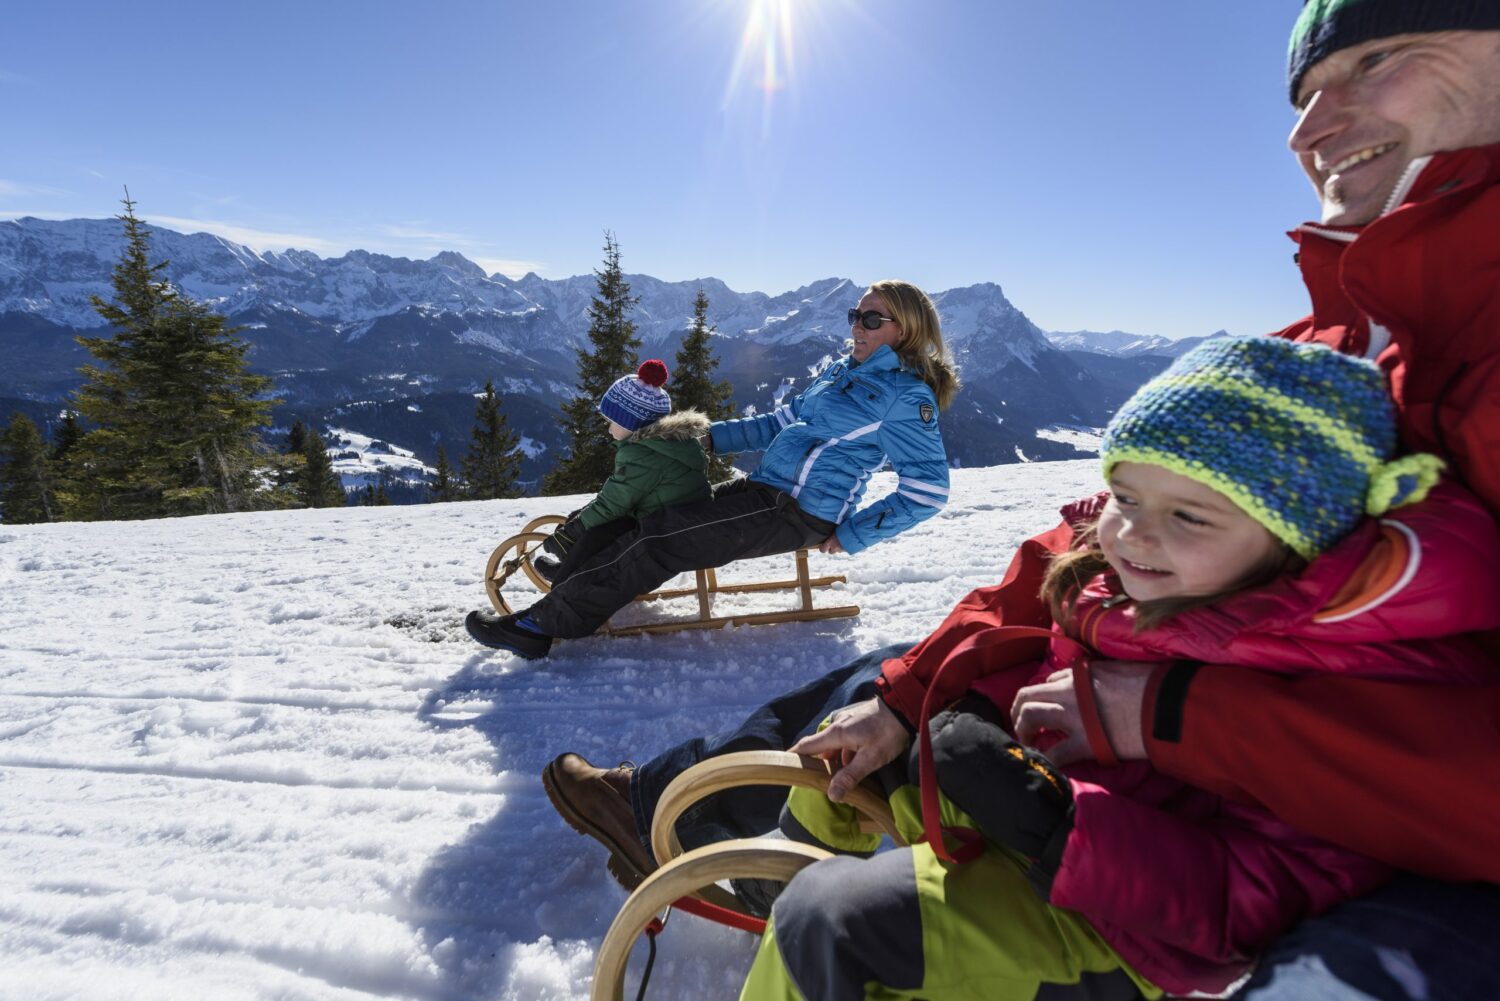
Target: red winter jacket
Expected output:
[1419,290]
[1386,769]
[1186,885]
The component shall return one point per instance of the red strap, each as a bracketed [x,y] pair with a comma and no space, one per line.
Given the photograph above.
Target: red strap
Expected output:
[971,659]
[1088,710]
[723,915]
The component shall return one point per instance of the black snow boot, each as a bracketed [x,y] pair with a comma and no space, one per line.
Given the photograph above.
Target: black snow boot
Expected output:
[515,632]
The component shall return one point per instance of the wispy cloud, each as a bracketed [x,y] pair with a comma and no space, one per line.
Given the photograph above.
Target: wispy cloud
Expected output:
[256,239]
[416,232]
[507,267]
[416,239]
[15,189]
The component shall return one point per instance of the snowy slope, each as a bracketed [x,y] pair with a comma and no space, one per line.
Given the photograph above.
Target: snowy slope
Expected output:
[255,756]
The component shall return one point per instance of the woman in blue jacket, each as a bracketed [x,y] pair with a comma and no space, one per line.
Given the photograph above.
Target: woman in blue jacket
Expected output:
[880,401]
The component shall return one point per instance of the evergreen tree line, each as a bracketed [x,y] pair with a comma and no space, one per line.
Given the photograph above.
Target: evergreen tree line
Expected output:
[170,420]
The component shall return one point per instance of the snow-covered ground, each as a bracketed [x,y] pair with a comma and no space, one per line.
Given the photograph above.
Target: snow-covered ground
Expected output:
[256,756]
[361,461]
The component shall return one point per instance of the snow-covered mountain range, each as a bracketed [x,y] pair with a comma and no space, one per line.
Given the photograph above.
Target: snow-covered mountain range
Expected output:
[395,349]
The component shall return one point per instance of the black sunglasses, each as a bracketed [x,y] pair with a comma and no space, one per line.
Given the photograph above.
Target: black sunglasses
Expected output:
[870,319]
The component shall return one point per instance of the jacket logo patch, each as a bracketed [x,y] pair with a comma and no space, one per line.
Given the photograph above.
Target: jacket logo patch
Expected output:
[926,412]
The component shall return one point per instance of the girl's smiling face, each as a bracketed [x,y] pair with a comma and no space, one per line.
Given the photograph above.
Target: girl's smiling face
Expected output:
[1168,536]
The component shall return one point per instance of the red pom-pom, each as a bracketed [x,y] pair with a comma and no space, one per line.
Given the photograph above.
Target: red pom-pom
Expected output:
[653,372]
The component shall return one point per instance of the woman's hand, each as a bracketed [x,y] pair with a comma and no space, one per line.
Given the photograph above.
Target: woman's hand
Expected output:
[831,544]
[1119,693]
[859,740]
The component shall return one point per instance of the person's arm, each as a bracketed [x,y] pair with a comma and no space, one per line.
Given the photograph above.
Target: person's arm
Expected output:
[1395,770]
[620,494]
[910,438]
[1401,772]
[753,434]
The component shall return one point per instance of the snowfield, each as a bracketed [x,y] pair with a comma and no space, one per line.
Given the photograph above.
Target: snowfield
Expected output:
[257,757]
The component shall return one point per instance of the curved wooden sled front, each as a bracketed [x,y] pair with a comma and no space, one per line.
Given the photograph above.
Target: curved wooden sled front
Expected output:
[514,554]
[694,873]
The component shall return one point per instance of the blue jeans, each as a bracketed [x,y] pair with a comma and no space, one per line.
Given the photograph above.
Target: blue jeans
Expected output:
[751,811]
[1414,939]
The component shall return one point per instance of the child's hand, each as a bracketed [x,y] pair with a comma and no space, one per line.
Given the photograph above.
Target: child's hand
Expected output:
[859,740]
[831,545]
[1119,692]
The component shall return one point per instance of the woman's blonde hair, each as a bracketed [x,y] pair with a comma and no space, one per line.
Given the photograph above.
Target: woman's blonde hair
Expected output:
[1069,573]
[921,348]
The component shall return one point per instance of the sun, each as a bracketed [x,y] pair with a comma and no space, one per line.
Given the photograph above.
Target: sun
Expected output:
[766,46]
[775,32]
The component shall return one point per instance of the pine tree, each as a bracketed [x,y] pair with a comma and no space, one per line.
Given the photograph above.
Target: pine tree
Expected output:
[591,454]
[174,407]
[296,439]
[65,438]
[493,463]
[693,385]
[317,484]
[25,474]
[443,487]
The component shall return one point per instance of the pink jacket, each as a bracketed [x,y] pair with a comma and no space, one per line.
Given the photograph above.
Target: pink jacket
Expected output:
[1188,886]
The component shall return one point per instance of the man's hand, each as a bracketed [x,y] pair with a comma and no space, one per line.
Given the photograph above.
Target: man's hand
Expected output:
[830,545]
[860,739]
[1119,692]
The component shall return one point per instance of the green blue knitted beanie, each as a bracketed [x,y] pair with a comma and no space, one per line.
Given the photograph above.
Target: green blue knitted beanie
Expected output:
[1326,26]
[1299,436]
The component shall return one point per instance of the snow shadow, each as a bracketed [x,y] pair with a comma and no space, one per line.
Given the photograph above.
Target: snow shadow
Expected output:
[524,896]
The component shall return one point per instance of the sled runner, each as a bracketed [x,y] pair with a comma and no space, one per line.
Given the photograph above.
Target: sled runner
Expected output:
[514,554]
[687,881]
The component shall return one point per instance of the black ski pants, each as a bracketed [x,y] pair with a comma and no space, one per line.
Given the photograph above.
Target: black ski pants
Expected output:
[742,520]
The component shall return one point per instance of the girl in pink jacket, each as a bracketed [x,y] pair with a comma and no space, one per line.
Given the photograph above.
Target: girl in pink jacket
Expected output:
[1242,526]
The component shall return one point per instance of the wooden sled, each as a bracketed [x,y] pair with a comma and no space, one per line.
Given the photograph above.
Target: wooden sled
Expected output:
[695,873]
[514,554]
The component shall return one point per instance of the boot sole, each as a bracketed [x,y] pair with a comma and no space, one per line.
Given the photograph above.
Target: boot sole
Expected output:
[625,872]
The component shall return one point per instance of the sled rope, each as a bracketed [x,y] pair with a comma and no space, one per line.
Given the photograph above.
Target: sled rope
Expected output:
[698,908]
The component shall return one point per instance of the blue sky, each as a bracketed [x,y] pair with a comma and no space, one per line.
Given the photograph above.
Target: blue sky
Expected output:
[1109,164]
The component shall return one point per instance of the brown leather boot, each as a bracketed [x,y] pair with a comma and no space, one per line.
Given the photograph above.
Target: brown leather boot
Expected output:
[596,802]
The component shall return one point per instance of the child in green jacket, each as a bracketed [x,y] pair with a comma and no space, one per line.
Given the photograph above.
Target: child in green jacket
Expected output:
[658,463]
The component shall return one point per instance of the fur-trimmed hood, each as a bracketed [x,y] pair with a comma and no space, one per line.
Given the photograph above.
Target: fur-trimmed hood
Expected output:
[685,425]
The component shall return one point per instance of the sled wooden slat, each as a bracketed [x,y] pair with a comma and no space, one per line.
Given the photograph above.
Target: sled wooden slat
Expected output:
[750,858]
[514,555]
[757,768]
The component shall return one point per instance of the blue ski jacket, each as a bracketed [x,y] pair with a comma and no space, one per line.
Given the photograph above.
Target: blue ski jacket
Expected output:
[822,447]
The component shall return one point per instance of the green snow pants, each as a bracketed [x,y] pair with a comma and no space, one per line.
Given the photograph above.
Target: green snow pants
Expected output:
[902,924]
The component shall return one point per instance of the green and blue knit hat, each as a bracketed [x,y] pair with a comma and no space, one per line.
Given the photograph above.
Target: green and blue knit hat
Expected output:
[1299,436]
[1326,26]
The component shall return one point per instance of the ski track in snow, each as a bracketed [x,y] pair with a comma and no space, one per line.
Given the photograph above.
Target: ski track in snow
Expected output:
[256,756]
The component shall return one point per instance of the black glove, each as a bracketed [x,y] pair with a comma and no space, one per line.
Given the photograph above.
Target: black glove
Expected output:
[561,540]
[1015,794]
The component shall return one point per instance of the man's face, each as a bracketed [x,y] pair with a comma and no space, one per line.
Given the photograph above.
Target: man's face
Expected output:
[1369,110]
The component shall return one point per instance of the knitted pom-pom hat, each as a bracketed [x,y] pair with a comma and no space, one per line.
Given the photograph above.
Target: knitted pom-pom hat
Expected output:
[1326,26]
[637,400]
[1299,436]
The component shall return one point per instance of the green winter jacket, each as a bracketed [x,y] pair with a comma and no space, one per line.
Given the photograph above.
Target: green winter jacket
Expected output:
[658,466]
